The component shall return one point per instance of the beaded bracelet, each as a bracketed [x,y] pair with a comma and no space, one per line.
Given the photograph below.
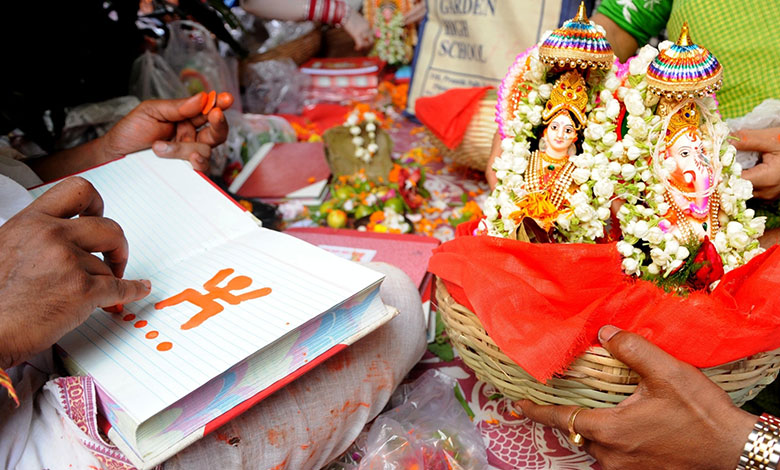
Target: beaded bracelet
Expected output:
[762,449]
[333,12]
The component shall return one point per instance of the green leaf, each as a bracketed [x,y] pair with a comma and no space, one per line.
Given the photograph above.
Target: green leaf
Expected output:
[462,401]
[442,351]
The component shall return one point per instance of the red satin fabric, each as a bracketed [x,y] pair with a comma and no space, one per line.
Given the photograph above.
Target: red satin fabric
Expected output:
[448,115]
[543,304]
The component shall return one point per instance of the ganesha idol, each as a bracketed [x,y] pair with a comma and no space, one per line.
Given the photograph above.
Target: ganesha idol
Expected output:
[690,179]
[685,221]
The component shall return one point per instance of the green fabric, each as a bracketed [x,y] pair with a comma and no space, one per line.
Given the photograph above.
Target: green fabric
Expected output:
[742,34]
[642,19]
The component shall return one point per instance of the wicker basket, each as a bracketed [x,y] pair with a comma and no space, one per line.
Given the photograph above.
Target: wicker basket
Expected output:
[474,150]
[594,380]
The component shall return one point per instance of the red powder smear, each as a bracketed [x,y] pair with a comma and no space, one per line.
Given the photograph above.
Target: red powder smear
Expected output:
[221,437]
[129,317]
[275,437]
[164,346]
[339,361]
[281,465]
[118,308]
[140,324]
[152,334]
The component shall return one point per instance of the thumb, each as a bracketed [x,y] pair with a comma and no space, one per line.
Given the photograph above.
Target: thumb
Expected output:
[647,359]
[760,140]
[113,290]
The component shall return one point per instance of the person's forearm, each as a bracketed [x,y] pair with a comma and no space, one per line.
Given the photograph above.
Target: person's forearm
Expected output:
[291,10]
[70,161]
[623,44]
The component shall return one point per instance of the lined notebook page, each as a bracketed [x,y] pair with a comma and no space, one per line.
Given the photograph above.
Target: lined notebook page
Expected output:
[182,233]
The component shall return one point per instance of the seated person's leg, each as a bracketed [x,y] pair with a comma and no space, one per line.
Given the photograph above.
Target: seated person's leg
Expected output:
[313,420]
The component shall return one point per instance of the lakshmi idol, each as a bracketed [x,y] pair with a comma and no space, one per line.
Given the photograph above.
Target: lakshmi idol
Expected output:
[542,115]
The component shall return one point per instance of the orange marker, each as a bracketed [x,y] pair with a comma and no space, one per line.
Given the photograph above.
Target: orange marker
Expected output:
[224,100]
[210,102]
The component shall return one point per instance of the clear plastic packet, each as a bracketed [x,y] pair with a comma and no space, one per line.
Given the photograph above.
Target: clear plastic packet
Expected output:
[248,132]
[429,430]
[274,86]
[152,78]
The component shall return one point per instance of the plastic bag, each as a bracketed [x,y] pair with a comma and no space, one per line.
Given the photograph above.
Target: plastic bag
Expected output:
[193,55]
[274,86]
[429,430]
[248,132]
[152,78]
[765,115]
[90,121]
[282,32]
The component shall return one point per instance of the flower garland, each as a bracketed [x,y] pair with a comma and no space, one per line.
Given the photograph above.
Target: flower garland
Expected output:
[365,153]
[390,45]
[589,212]
[648,251]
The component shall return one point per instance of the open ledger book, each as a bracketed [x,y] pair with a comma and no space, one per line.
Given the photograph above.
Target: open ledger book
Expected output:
[236,311]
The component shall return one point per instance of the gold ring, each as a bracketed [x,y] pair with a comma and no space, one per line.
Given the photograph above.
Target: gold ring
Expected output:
[575,437]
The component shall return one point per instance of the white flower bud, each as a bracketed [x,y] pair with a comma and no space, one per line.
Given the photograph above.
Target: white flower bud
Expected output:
[630,266]
[628,171]
[653,268]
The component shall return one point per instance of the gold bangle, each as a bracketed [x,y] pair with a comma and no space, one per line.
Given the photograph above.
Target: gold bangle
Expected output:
[762,449]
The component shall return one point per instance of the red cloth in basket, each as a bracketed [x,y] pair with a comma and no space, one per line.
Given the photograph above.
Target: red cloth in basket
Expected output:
[543,304]
[448,115]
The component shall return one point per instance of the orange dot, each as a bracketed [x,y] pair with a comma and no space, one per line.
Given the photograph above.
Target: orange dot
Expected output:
[129,317]
[152,334]
[164,346]
[140,323]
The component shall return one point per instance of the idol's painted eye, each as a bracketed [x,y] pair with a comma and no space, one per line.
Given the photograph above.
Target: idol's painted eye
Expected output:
[554,126]
[685,153]
[569,130]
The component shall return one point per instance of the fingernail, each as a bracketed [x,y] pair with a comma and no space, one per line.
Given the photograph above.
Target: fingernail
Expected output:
[518,406]
[607,332]
[160,147]
[146,283]
[203,98]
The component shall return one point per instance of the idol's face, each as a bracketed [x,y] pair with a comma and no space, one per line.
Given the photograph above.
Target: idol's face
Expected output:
[691,165]
[560,134]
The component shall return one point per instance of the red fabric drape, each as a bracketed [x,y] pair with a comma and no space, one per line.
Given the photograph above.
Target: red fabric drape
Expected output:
[543,304]
[448,115]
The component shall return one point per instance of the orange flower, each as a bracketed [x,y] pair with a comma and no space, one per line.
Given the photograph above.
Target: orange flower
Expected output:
[395,173]
[537,207]
[376,217]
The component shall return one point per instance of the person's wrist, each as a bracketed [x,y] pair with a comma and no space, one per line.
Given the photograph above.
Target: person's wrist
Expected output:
[103,149]
[761,450]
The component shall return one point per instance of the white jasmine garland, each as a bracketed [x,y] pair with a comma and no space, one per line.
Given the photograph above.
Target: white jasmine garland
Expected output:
[365,153]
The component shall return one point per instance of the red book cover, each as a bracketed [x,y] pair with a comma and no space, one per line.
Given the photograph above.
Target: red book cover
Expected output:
[284,170]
